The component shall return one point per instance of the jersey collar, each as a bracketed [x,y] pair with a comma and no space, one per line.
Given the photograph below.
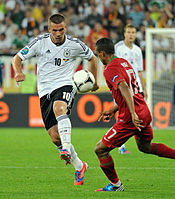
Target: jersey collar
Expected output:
[112,59]
[61,44]
[109,62]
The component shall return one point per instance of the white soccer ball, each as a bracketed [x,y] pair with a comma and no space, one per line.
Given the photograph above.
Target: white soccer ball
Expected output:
[83,81]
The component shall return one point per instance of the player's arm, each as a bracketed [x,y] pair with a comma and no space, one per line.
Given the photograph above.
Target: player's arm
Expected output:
[93,70]
[1,81]
[143,84]
[17,66]
[140,72]
[25,53]
[124,89]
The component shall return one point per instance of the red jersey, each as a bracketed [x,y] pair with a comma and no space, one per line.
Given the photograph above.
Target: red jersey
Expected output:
[117,71]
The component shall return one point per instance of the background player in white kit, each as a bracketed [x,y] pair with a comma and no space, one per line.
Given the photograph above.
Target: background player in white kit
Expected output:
[56,54]
[132,53]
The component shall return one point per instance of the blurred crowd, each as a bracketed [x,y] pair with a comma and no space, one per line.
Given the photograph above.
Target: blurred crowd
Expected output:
[89,20]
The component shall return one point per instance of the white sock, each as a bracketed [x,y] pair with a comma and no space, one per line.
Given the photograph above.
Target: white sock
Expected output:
[77,163]
[117,184]
[64,129]
[122,147]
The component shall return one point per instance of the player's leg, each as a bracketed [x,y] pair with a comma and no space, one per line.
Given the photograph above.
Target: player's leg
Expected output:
[62,103]
[53,132]
[158,149]
[1,81]
[107,166]
[62,99]
[123,150]
[144,144]
[64,129]
[55,137]
[46,103]
[64,123]
[79,165]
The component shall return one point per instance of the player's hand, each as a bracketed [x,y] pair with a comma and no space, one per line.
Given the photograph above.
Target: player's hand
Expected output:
[136,121]
[1,93]
[19,77]
[96,87]
[106,116]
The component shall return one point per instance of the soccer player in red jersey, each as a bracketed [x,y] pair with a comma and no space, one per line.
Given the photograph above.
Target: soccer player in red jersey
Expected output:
[134,116]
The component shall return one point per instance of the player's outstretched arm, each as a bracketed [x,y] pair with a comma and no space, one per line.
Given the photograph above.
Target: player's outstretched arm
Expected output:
[124,89]
[93,70]
[16,63]
[143,84]
[107,115]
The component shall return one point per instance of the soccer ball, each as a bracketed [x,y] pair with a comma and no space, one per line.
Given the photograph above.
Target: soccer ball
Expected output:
[83,81]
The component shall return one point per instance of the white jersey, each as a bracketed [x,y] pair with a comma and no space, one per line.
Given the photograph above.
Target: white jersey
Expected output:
[133,56]
[55,65]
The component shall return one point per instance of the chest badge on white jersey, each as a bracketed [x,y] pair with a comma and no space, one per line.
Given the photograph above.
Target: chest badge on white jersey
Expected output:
[67,53]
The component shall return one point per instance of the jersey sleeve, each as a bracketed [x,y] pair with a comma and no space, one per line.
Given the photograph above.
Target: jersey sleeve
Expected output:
[114,77]
[140,61]
[84,51]
[29,50]
[116,50]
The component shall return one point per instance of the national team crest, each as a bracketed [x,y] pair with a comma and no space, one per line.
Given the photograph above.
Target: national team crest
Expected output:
[66,53]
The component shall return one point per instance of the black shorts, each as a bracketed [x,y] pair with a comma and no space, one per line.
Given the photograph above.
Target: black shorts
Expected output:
[66,94]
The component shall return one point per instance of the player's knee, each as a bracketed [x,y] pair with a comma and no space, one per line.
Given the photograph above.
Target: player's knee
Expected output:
[100,152]
[144,146]
[59,110]
[97,150]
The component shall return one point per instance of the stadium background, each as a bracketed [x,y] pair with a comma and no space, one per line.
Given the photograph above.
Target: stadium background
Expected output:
[21,21]
[30,167]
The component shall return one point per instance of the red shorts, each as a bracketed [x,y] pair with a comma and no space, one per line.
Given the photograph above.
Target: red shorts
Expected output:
[116,136]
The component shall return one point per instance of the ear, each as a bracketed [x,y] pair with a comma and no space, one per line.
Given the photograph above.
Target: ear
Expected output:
[103,54]
[49,29]
[66,27]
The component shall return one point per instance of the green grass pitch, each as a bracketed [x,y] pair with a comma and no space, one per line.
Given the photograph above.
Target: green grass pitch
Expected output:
[30,167]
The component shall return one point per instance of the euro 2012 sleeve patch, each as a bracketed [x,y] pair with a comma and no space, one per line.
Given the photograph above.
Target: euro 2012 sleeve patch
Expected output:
[24,51]
[116,76]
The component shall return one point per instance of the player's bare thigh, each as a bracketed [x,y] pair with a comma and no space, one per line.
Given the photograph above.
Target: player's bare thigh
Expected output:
[53,132]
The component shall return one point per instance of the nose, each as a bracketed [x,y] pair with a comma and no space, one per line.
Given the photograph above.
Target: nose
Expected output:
[58,33]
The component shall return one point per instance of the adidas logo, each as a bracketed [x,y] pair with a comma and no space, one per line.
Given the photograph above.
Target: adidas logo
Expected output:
[48,51]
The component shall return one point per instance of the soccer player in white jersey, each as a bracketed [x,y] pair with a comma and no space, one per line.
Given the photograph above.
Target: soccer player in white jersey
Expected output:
[1,80]
[56,54]
[132,53]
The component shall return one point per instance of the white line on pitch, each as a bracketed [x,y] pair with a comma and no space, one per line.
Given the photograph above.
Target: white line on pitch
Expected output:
[50,167]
